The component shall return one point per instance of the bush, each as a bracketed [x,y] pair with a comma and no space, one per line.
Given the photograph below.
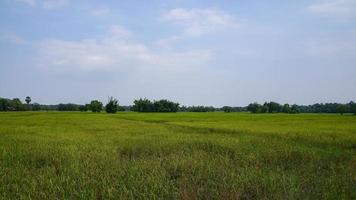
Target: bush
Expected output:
[83,108]
[227,109]
[112,105]
[96,106]
[145,105]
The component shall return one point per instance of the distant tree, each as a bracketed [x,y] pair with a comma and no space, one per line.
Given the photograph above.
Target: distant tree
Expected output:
[227,109]
[286,108]
[4,104]
[36,107]
[17,105]
[352,107]
[28,100]
[254,108]
[83,108]
[143,105]
[294,109]
[67,107]
[96,106]
[112,105]
[164,105]
[265,108]
[273,107]
[341,108]
[201,109]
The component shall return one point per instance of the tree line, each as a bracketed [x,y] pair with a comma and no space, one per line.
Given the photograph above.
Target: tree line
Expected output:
[163,105]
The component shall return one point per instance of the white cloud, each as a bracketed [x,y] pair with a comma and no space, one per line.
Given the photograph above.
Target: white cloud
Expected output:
[167,42]
[112,52]
[197,22]
[334,8]
[28,2]
[118,32]
[338,46]
[54,3]
[12,37]
[48,4]
[100,12]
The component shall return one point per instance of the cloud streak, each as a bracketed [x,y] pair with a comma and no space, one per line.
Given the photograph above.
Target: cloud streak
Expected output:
[334,8]
[197,22]
[114,51]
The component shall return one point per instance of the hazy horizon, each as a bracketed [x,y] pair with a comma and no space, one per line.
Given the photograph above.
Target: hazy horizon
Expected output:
[212,53]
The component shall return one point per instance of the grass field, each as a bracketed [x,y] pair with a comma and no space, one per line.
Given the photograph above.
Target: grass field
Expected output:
[52,155]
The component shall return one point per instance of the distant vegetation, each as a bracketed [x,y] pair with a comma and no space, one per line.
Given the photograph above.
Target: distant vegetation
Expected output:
[163,105]
[145,105]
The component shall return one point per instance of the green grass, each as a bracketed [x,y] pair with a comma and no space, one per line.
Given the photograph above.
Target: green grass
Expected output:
[52,155]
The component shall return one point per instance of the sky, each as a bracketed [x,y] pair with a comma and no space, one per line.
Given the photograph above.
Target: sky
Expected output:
[195,52]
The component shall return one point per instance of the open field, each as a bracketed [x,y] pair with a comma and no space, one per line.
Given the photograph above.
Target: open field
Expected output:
[177,156]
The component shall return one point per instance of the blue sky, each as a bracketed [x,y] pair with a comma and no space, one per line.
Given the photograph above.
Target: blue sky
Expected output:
[194,52]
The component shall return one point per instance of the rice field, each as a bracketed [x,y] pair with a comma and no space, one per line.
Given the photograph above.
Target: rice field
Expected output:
[72,155]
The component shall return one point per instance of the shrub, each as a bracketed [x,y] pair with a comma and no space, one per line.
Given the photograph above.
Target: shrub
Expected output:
[96,106]
[112,105]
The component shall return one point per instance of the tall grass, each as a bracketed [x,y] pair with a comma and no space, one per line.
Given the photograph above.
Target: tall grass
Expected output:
[51,155]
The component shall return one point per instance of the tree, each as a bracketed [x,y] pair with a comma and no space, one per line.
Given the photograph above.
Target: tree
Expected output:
[353,107]
[341,108]
[143,105]
[36,107]
[83,108]
[112,105]
[227,109]
[254,108]
[28,100]
[67,107]
[273,107]
[164,105]
[17,105]
[96,106]
[5,104]
[286,108]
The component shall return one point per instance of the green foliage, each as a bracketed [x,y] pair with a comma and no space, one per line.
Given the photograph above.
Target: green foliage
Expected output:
[72,155]
[145,105]
[200,109]
[286,108]
[83,108]
[28,100]
[67,107]
[254,108]
[341,109]
[17,105]
[112,105]
[352,106]
[96,106]
[165,106]
[227,109]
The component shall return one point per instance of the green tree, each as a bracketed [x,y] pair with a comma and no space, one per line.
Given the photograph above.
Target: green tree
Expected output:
[286,108]
[353,107]
[112,105]
[17,105]
[227,109]
[28,100]
[143,105]
[341,108]
[83,108]
[254,108]
[96,106]
[164,105]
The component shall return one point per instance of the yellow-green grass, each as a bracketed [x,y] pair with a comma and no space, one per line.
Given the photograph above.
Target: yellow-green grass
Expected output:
[53,155]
